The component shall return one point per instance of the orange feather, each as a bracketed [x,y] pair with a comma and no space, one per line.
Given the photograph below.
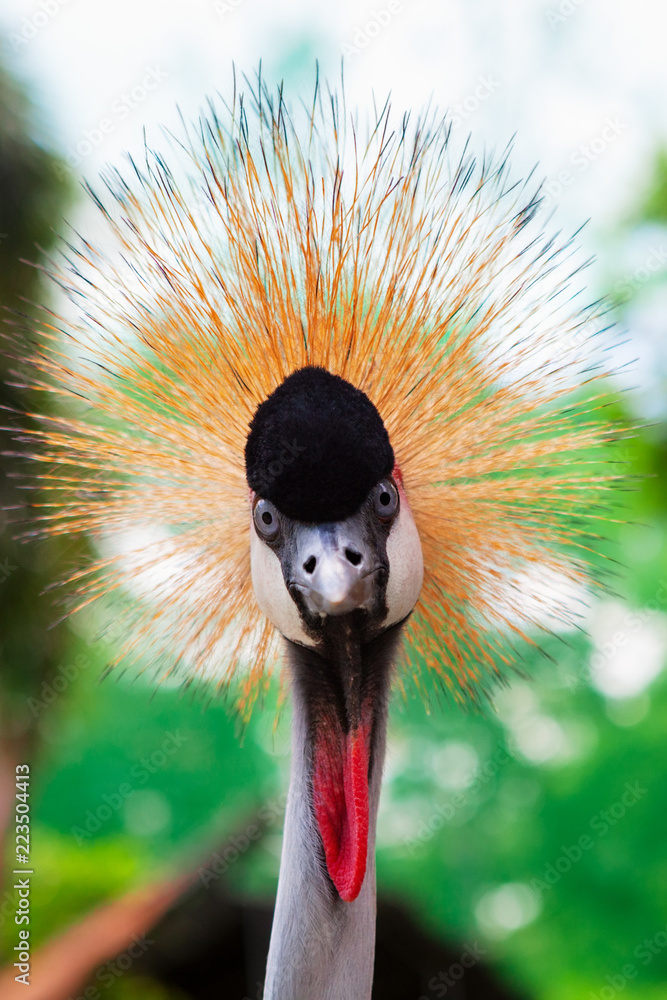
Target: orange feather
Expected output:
[275,241]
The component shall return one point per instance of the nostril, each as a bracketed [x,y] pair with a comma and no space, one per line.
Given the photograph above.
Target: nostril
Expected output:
[310,564]
[353,557]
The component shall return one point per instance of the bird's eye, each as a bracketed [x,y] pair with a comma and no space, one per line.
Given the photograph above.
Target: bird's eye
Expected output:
[267,521]
[386,499]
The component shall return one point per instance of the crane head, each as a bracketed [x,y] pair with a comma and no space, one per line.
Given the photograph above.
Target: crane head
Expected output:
[332,532]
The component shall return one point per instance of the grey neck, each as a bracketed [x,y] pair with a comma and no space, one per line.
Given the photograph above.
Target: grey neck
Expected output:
[321,947]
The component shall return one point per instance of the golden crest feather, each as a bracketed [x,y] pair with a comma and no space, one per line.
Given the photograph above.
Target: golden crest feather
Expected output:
[273,241]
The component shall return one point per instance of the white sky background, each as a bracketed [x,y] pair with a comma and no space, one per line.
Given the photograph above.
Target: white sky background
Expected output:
[561,74]
[556,77]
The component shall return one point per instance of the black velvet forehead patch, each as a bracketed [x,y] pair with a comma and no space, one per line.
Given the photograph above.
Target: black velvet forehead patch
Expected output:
[316,447]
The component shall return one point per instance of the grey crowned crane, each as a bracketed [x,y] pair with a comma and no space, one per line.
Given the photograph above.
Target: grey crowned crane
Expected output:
[326,390]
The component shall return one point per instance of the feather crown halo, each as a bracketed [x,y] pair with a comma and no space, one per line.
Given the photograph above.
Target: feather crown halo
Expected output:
[271,241]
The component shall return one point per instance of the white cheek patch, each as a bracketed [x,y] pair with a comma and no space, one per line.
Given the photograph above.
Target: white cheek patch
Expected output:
[272,595]
[406,565]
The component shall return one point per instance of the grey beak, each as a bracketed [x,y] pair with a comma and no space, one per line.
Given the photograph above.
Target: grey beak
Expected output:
[333,568]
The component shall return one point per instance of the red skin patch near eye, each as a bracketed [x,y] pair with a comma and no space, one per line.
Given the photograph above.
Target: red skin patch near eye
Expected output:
[340,801]
[398,476]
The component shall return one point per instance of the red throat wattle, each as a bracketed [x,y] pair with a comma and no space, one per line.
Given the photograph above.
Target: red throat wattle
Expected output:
[340,801]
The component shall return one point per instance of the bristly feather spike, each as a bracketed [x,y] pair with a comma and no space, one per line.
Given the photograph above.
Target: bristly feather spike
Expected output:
[273,240]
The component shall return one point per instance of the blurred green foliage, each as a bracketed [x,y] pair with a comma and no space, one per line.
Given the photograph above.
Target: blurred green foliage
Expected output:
[654,208]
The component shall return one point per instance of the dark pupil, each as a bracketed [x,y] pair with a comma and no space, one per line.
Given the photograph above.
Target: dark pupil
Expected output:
[267,517]
[385,499]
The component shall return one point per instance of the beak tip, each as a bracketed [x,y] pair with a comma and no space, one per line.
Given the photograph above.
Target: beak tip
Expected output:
[332,604]
[340,601]
[333,584]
